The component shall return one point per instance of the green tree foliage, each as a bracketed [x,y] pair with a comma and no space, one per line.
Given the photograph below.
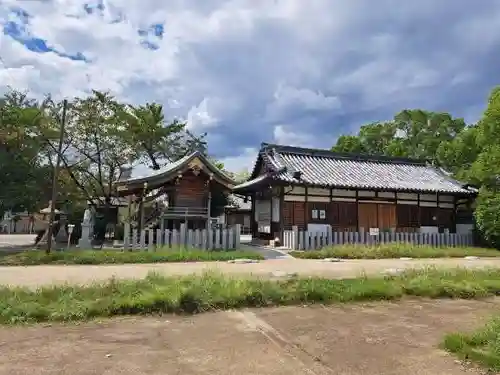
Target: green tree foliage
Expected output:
[485,170]
[22,170]
[102,137]
[470,152]
[412,133]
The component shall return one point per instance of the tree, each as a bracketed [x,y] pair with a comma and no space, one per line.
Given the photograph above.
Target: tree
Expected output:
[241,176]
[484,171]
[23,173]
[349,143]
[412,133]
[158,141]
[94,149]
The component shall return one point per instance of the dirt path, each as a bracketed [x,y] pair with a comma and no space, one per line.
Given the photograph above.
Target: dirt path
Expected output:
[368,339]
[39,275]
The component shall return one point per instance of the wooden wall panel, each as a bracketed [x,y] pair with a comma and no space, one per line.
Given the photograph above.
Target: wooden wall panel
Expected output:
[191,191]
[293,214]
[367,216]
[446,219]
[342,216]
[299,215]
[318,206]
[387,216]
[288,215]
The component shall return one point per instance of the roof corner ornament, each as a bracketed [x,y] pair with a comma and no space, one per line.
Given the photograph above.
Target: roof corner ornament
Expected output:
[210,178]
[196,169]
[178,178]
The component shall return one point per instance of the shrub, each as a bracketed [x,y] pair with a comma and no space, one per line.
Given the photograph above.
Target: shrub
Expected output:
[35,257]
[482,346]
[487,216]
[394,250]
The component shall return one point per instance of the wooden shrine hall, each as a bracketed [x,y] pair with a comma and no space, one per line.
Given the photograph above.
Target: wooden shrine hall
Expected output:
[313,189]
[186,191]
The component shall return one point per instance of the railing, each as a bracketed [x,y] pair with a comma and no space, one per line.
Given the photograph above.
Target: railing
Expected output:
[206,239]
[177,211]
[305,240]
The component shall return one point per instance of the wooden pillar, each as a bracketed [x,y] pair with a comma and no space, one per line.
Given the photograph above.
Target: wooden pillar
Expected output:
[271,220]
[282,204]
[418,210]
[357,212]
[252,216]
[141,207]
[306,209]
[454,216]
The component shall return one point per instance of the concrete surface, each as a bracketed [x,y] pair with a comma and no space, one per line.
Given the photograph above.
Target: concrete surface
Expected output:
[368,339]
[33,276]
[16,240]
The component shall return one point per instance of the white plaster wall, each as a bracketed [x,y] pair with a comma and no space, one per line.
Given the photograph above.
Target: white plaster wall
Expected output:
[465,228]
[429,230]
[318,228]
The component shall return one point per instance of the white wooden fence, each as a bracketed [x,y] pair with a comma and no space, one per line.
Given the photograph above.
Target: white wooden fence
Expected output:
[305,240]
[206,239]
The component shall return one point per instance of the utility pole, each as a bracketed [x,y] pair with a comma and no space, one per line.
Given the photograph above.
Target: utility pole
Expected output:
[55,177]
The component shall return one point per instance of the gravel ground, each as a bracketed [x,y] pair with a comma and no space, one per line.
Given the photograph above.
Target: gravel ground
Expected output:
[33,276]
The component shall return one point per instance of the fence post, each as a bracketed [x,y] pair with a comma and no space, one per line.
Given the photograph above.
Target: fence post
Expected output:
[237,232]
[295,238]
[143,239]
[159,238]
[134,238]
[190,240]
[126,236]
[224,239]
[182,235]
[151,239]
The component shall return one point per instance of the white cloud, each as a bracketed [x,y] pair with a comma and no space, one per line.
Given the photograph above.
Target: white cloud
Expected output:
[199,118]
[285,136]
[244,161]
[248,70]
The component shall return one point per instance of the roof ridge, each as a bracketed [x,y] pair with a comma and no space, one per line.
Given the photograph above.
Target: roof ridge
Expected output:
[314,152]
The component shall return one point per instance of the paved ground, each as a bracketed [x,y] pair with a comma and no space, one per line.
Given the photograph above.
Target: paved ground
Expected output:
[38,275]
[370,339]
[14,241]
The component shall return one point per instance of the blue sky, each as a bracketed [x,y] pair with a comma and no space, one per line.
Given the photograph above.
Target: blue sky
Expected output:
[247,71]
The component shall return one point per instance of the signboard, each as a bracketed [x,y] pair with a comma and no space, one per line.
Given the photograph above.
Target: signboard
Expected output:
[374,231]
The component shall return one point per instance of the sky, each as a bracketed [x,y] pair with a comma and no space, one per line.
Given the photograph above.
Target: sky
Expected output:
[293,72]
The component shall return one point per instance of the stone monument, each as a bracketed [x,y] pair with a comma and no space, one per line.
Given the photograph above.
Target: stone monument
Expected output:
[87,229]
[62,235]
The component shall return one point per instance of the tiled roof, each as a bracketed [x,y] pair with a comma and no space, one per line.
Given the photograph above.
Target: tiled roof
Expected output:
[171,168]
[329,169]
[239,203]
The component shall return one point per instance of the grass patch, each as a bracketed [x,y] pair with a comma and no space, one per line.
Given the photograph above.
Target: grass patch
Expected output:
[194,294]
[36,257]
[394,250]
[481,346]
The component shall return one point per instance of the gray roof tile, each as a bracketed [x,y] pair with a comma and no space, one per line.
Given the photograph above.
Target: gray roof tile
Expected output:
[172,167]
[324,168]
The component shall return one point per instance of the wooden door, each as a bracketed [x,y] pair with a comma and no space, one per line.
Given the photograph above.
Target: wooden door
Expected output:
[367,216]
[387,216]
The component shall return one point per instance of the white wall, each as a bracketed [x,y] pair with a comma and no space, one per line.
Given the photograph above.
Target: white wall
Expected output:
[465,228]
